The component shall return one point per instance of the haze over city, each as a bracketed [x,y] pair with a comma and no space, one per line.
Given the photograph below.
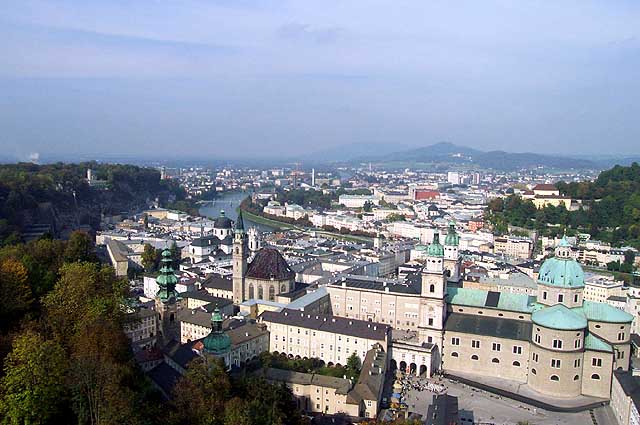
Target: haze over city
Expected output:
[264,79]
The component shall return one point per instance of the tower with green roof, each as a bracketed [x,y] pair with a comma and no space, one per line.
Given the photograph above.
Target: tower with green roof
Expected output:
[239,259]
[167,297]
[217,343]
[433,307]
[561,279]
[451,253]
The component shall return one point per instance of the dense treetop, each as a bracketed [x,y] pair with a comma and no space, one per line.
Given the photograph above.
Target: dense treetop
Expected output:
[610,209]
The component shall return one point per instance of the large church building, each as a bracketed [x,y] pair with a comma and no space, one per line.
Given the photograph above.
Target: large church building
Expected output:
[554,345]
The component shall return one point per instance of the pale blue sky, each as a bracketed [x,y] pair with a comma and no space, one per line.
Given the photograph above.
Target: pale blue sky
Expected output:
[224,78]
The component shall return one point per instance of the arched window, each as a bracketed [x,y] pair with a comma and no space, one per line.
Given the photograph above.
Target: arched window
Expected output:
[283,289]
[432,288]
[575,378]
[495,360]
[516,363]
[474,357]
[454,354]
[555,378]
[595,376]
[272,293]
[251,293]
[260,293]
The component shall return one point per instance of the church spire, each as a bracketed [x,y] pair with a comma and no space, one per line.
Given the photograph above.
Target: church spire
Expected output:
[239,226]
[167,280]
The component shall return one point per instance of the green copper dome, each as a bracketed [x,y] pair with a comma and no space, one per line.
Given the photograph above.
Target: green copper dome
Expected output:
[452,238]
[559,317]
[167,280]
[561,272]
[217,342]
[435,249]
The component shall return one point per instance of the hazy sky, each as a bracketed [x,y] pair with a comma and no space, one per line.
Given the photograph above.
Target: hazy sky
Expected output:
[228,78]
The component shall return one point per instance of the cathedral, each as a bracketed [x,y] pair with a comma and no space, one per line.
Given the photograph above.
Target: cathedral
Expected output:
[268,274]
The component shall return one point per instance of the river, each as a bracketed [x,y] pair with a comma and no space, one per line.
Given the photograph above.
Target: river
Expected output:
[229,202]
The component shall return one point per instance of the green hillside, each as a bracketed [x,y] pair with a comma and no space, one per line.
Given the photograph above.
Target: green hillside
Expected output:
[611,210]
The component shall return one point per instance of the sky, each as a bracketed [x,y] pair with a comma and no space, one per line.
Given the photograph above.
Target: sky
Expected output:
[272,79]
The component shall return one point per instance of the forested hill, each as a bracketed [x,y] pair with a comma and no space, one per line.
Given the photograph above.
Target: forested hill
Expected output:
[611,212]
[44,194]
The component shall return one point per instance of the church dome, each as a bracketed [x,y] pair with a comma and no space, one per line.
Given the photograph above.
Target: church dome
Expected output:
[222,222]
[435,249]
[563,273]
[452,238]
[217,342]
[559,317]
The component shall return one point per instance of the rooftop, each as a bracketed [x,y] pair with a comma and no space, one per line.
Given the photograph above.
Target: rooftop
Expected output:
[328,323]
[490,299]
[559,317]
[498,327]
[269,264]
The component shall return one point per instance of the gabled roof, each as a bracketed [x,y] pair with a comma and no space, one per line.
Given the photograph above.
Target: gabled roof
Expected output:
[269,264]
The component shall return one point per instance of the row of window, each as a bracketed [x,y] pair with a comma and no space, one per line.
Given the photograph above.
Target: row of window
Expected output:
[556,378]
[560,297]
[496,346]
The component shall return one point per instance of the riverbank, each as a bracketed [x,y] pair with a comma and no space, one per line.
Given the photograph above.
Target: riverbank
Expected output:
[279,225]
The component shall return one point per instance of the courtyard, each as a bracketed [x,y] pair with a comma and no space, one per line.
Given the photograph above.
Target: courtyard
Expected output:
[481,407]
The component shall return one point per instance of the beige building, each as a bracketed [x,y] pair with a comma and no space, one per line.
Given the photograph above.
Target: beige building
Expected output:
[513,247]
[547,194]
[556,343]
[316,393]
[329,338]
[141,327]
[625,398]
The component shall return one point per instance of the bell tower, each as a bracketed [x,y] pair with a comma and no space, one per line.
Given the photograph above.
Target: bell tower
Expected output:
[239,258]
[451,253]
[167,298]
[433,307]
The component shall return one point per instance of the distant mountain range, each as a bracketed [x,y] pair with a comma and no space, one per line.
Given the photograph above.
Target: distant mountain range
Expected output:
[451,154]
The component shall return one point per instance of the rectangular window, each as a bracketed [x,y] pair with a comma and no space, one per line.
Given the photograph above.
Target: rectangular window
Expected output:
[496,346]
[621,354]
[544,295]
[517,349]
[560,298]
[576,363]
[475,343]
[596,362]
[430,322]
[537,338]
[555,363]
[455,341]
[535,357]
[557,343]
[621,336]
